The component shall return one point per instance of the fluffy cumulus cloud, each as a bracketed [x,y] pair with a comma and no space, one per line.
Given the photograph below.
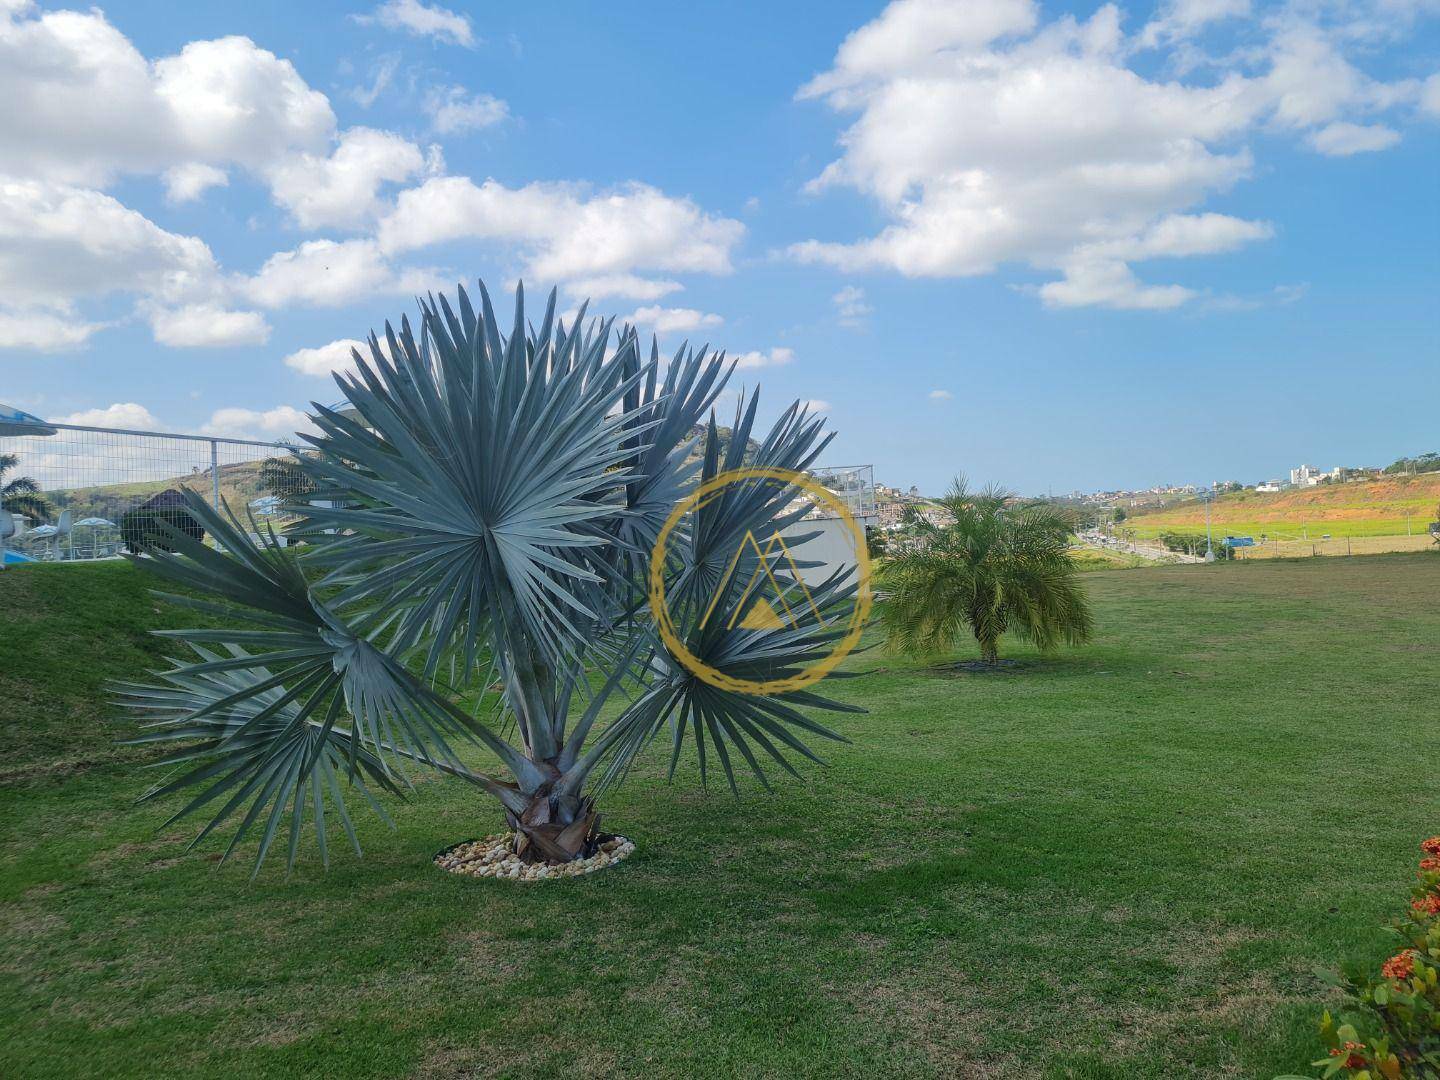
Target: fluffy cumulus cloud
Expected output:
[990,137]
[82,103]
[42,331]
[84,110]
[850,305]
[327,359]
[566,231]
[454,110]
[627,286]
[188,182]
[423,20]
[123,414]
[757,358]
[202,326]
[341,189]
[665,320]
[1342,139]
[59,243]
[281,422]
[332,273]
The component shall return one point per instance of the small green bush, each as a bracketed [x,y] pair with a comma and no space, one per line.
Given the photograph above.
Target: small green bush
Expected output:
[1402,1006]
[146,528]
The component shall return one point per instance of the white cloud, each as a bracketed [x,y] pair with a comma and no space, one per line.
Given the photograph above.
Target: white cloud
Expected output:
[816,405]
[416,18]
[989,139]
[453,110]
[382,74]
[330,273]
[665,320]
[199,326]
[1112,284]
[1430,96]
[565,230]
[82,104]
[342,189]
[281,422]
[940,395]
[1342,139]
[58,243]
[326,359]
[908,35]
[757,358]
[123,414]
[187,182]
[850,305]
[42,330]
[1179,20]
[624,286]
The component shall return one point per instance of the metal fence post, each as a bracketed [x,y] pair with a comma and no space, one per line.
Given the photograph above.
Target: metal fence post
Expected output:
[215,475]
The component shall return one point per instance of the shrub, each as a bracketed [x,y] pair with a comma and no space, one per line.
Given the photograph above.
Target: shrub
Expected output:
[1402,1005]
[1192,544]
[147,527]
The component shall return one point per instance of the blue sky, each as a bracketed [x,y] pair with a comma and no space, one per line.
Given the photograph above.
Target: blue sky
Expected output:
[1049,246]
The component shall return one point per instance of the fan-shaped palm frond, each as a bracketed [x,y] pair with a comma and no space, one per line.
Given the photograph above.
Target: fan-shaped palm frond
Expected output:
[485,506]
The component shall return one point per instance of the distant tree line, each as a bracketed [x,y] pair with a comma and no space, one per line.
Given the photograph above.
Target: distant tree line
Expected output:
[1429,462]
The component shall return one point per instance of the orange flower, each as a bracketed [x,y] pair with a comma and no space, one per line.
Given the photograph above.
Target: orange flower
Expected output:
[1355,1060]
[1399,966]
[1431,846]
[1430,905]
[1432,863]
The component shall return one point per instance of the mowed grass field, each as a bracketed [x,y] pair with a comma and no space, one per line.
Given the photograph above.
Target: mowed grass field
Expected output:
[1121,862]
[1378,508]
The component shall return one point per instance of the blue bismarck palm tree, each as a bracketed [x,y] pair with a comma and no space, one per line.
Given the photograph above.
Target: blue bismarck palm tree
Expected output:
[483,514]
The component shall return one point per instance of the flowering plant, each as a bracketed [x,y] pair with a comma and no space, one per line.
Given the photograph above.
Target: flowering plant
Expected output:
[1402,1005]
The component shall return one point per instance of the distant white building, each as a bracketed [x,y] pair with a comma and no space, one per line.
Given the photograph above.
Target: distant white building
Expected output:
[1269,485]
[1309,475]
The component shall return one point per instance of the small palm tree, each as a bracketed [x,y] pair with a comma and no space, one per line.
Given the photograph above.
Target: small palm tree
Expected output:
[22,495]
[995,567]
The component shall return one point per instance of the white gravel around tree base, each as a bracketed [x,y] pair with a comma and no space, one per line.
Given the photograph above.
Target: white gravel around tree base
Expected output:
[494,857]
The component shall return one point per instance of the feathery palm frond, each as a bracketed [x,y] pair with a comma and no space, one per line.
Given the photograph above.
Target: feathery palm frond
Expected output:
[993,568]
[22,494]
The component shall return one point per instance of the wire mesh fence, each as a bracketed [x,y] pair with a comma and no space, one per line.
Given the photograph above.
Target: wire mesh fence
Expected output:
[853,485]
[91,493]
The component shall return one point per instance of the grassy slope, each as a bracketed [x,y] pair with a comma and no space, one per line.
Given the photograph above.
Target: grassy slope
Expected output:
[239,486]
[1122,863]
[1374,508]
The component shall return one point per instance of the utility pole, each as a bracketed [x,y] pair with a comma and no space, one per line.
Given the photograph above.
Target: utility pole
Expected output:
[1209,497]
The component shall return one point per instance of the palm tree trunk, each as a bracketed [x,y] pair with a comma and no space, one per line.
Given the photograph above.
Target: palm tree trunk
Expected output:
[555,828]
[989,652]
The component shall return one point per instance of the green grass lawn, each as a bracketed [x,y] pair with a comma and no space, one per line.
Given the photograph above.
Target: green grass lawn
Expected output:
[1121,862]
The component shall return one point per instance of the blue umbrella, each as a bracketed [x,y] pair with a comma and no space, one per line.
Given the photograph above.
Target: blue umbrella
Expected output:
[15,422]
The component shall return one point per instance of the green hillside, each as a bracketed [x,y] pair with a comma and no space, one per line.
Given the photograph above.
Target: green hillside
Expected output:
[1383,507]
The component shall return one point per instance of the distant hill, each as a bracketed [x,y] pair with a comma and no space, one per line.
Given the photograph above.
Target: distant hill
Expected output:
[1369,508]
[240,485]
